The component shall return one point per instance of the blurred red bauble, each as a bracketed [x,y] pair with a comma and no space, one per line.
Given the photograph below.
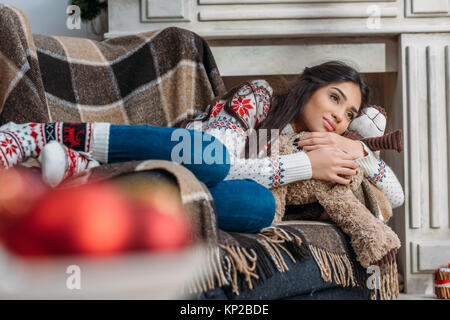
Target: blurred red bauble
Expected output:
[92,219]
[161,222]
[163,231]
[20,188]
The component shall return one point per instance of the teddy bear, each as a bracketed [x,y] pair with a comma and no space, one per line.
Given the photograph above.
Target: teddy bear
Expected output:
[372,240]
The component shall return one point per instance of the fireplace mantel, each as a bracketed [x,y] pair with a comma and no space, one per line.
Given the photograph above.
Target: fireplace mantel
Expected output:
[231,19]
[409,39]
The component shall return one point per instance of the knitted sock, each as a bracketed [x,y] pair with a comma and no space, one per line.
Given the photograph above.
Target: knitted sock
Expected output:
[58,162]
[11,150]
[21,141]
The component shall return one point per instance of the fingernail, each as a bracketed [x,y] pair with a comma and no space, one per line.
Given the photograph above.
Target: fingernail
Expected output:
[297,140]
[300,148]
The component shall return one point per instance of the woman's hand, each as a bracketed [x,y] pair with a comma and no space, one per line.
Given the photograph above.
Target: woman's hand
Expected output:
[329,162]
[317,140]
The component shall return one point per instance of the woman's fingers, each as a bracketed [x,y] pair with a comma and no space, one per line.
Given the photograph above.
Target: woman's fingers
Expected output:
[341,180]
[312,142]
[310,148]
[346,167]
[340,153]
[328,163]
[348,164]
[346,171]
[345,155]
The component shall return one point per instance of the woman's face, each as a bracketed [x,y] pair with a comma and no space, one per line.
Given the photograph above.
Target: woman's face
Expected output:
[330,109]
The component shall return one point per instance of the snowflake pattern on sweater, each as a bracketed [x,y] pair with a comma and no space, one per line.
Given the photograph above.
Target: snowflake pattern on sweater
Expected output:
[378,177]
[390,187]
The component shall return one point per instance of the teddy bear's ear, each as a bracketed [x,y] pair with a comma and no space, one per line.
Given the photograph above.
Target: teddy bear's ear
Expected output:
[380,109]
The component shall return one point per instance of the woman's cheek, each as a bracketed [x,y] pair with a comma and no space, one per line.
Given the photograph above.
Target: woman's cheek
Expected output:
[343,127]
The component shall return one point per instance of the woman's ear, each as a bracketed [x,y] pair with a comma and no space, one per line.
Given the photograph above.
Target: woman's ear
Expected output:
[371,122]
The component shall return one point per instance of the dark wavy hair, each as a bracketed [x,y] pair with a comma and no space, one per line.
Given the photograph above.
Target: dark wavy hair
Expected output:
[287,105]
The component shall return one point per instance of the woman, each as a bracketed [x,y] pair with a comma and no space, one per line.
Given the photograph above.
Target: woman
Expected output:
[323,100]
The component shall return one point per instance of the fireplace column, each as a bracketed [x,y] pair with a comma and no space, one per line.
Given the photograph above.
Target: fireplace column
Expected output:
[424,96]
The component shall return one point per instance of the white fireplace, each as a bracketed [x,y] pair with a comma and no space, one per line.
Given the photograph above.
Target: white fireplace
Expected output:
[402,46]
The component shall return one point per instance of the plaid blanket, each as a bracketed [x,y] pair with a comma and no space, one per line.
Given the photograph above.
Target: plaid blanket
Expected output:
[170,72]
[157,78]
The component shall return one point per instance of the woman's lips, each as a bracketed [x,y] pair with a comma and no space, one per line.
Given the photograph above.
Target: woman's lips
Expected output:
[328,125]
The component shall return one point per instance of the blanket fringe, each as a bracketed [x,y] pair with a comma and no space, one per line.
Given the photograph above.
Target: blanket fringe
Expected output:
[337,268]
[242,261]
[327,261]
[272,239]
[210,275]
[228,264]
[388,287]
[216,274]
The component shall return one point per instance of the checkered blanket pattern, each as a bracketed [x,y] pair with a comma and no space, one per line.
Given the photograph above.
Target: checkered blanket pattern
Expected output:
[158,77]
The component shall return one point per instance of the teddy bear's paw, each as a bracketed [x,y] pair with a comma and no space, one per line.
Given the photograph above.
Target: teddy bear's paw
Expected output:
[285,144]
[356,180]
[367,250]
[373,242]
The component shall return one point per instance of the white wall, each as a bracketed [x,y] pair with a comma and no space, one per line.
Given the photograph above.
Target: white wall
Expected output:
[49,17]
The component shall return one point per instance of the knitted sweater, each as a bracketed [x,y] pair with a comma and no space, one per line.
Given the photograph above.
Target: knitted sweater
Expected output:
[252,106]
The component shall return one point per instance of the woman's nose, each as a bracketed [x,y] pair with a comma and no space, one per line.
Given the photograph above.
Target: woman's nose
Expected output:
[338,117]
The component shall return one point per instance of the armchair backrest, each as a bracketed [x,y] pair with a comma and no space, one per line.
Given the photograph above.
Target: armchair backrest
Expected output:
[158,77]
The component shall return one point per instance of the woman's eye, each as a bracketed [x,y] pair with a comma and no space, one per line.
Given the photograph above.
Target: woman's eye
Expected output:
[335,97]
[350,115]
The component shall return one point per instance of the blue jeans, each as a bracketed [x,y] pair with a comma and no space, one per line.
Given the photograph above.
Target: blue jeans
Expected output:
[241,205]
